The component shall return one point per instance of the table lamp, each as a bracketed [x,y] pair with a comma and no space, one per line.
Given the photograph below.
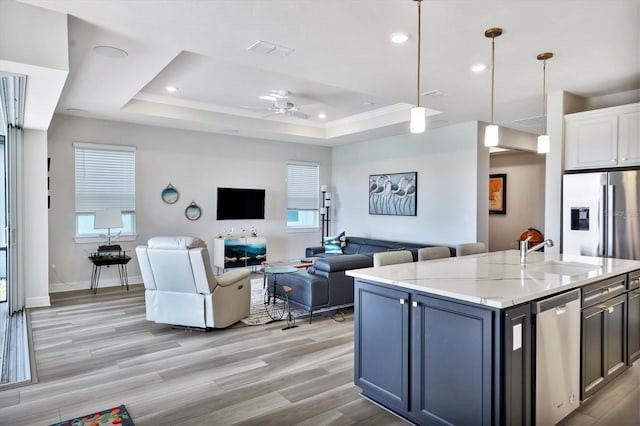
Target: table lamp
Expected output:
[107,219]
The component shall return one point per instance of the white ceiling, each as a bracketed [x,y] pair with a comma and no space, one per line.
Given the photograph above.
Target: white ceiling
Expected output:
[342,62]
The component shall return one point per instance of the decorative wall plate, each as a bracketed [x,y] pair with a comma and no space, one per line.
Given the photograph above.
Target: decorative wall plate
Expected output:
[170,195]
[193,211]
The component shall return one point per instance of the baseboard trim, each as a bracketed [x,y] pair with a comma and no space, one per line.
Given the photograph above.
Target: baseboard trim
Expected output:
[86,285]
[37,302]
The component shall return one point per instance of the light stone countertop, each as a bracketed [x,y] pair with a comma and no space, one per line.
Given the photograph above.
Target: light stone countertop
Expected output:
[496,279]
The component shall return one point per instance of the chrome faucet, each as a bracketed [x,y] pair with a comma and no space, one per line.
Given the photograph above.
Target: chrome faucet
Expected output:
[525,250]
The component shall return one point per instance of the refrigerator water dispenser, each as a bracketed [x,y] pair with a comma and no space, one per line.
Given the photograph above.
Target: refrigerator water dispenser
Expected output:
[579,218]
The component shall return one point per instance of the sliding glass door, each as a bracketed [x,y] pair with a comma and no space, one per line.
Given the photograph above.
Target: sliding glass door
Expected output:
[3,222]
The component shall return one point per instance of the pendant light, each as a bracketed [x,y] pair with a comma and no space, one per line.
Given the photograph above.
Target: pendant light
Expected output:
[418,122]
[544,144]
[491,132]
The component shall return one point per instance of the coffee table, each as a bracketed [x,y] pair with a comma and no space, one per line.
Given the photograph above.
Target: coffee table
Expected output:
[276,298]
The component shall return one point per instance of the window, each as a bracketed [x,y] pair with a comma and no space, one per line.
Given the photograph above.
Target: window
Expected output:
[302,195]
[105,179]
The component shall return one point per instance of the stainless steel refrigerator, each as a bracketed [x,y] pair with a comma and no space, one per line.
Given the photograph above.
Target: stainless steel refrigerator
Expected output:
[601,214]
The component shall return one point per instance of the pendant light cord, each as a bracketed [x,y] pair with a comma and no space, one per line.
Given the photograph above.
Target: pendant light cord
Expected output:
[493,66]
[544,97]
[419,42]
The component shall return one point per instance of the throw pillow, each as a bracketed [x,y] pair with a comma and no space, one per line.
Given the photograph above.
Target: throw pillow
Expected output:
[335,243]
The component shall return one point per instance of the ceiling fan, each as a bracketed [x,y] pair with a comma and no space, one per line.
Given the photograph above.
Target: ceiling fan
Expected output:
[280,105]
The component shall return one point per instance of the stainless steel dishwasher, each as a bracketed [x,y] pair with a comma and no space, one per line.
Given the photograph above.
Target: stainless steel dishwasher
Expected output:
[557,357]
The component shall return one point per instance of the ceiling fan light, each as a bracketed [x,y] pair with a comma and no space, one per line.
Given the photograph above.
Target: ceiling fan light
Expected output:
[418,121]
[491,135]
[544,144]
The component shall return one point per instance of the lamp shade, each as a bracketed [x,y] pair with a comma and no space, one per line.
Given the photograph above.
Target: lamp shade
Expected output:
[544,144]
[418,121]
[491,135]
[104,219]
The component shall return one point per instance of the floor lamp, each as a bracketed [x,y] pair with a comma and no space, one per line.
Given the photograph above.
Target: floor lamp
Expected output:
[324,212]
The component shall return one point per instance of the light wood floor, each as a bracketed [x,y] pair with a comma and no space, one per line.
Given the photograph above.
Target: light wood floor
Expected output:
[98,351]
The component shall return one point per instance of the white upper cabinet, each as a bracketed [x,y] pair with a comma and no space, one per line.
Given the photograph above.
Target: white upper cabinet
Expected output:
[629,137]
[608,137]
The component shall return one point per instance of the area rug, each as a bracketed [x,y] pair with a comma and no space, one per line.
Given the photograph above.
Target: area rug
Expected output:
[112,416]
[258,315]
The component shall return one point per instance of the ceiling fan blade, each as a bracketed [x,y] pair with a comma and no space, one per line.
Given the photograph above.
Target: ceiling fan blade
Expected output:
[257,108]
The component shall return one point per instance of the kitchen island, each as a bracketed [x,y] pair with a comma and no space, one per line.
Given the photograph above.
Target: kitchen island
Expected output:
[452,341]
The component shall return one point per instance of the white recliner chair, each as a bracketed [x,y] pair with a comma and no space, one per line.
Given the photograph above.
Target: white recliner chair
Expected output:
[180,288]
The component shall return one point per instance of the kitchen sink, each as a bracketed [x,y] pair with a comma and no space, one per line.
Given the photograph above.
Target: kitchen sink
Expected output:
[563,268]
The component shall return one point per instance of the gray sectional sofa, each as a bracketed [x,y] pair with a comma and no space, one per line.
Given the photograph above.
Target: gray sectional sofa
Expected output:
[325,284]
[368,246]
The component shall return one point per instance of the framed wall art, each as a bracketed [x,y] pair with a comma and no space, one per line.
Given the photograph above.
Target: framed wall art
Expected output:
[393,194]
[193,211]
[498,194]
[170,194]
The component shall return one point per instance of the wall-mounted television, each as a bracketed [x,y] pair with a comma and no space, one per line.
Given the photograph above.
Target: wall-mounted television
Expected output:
[240,203]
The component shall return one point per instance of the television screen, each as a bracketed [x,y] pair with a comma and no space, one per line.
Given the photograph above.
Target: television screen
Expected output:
[240,203]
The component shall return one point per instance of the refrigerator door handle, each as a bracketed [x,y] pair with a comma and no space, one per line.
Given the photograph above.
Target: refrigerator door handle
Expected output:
[610,222]
[602,209]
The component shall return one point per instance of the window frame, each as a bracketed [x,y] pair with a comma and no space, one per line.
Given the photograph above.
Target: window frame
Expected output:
[129,215]
[316,188]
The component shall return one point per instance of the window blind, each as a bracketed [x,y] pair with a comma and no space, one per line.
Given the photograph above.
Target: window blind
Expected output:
[302,186]
[105,177]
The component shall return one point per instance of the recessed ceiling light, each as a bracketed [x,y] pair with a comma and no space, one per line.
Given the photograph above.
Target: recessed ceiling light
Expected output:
[322,116]
[478,67]
[171,89]
[399,38]
[110,51]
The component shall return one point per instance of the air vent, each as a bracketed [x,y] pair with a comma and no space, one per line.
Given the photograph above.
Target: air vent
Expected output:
[531,121]
[271,49]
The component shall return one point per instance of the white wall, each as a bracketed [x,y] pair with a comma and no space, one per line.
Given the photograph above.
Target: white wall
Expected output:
[525,198]
[193,162]
[558,104]
[446,160]
[33,35]
[35,219]
[34,42]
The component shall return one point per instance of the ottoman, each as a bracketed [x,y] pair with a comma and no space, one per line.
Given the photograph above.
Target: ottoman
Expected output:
[309,291]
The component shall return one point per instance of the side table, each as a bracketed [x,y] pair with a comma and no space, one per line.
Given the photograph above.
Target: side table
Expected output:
[99,261]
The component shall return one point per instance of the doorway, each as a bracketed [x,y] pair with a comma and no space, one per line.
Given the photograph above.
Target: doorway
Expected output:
[524,197]
[3,224]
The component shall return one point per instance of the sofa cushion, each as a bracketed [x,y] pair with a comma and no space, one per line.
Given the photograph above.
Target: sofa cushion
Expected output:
[335,243]
[341,263]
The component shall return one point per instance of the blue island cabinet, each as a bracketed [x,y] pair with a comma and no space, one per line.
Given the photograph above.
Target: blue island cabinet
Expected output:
[437,361]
